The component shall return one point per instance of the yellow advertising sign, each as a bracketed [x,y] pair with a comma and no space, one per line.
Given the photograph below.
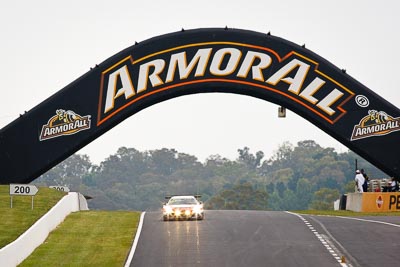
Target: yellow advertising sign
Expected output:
[380,201]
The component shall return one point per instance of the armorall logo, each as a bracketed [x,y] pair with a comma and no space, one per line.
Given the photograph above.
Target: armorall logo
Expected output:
[293,76]
[64,123]
[376,123]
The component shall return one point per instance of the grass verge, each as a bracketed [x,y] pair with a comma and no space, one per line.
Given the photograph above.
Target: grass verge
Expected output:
[88,238]
[14,221]
[346,213]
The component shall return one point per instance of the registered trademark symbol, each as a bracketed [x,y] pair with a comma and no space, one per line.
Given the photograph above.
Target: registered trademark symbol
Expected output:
[362,101]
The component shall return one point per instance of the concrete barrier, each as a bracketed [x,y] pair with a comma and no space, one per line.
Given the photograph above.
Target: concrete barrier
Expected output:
[17,251]
[354,202]
[373,202]
[336,204]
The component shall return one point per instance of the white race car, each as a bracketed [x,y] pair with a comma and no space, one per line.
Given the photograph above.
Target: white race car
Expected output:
[183,208]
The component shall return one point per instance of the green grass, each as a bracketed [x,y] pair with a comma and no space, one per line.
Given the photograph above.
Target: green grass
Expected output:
[346,213]
[14,221]
[88,238]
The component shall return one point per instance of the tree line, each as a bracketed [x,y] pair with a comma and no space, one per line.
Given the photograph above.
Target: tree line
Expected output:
[304,176]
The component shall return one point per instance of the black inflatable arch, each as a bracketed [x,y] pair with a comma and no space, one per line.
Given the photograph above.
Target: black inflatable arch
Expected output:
[201,61]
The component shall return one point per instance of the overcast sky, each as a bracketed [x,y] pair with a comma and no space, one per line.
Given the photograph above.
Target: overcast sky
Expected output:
[45,45]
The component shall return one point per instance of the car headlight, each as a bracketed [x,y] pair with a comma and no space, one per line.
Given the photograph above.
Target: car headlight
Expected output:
[187,212]
[177,212]
[198,209]
[167,209]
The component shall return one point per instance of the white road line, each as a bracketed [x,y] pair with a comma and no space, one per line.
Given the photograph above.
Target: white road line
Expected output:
[365,220]
[135,242]
[321,239]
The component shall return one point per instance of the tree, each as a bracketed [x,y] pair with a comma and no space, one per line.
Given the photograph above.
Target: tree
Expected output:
[69,172]
[240,197]
[350,187]
[132,179]
[289,201]
[216,160]
[164,160]
[275,201]
[280,159]
[270,188]
[303,194]
[324,198]
[284,152]
[280,188]
[250,160]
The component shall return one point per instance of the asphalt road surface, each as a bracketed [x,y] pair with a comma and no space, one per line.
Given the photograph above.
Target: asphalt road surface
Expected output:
[233,238]
[366,241]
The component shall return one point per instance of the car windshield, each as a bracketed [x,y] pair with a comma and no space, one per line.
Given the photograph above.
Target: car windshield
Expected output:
[182,201]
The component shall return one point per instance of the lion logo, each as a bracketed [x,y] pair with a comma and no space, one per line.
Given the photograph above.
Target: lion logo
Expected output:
[376,123]
[64,123]
[375,117]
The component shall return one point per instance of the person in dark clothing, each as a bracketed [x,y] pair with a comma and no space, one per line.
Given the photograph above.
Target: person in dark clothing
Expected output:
[365,184]
[394,185]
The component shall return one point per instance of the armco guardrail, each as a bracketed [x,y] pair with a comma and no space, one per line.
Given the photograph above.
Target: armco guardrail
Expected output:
[17,251]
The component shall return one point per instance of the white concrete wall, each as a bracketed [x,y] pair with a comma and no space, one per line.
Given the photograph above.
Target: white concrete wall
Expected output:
[17,251]
[83,205]
[354,202]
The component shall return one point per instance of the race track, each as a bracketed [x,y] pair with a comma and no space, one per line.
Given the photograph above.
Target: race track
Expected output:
[367,241]
[231,238]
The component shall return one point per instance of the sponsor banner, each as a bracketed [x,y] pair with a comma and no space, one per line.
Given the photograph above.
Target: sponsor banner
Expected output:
[201,61]
[293,76]
[64,123]
[380,201]
[376,123]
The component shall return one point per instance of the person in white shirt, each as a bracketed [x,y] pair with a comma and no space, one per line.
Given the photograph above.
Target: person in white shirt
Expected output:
[359,181]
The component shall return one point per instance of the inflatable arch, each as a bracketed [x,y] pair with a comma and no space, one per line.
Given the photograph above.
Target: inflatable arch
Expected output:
[201,61]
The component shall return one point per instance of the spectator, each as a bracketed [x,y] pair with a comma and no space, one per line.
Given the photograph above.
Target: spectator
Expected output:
[394,185]
[365,184]
[359,178]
